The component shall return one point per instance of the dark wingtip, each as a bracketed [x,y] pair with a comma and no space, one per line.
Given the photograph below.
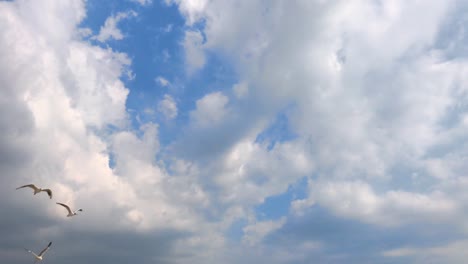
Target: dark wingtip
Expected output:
[50,243]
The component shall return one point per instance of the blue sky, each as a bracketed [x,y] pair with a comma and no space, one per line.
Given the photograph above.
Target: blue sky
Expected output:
[212,131]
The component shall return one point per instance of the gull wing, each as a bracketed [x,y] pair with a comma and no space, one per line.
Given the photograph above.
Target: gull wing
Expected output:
[45,249]
[49,192]
[30,251]
[66,206]
[32,186]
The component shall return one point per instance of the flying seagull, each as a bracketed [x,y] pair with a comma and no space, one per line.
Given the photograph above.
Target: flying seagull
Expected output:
[70,213]
[39,257]
[36,189]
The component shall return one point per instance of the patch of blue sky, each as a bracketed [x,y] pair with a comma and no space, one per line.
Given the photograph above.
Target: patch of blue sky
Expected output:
[279,130]
[112,163]
[153,41]
[98,11]
[236,230]
[273,208]
[216,75]
[277,206]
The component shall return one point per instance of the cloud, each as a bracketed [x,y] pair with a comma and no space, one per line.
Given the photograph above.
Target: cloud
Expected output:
[358,200]
[192,9]
[143,2]
[210,109]
[194,54]
[168,28]
[110,30]
[162,81]
[251,172]
[349,118]
[378,119]
[240,89]
[452,252]
[375,102]
[168,107]
[65,126]
[254,233]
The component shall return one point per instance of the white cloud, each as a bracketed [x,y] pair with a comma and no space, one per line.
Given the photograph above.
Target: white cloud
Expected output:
[357,200]
[162,81]
[84,32]
[250,172]
[380,120]
[240,89]
[192,9]
[379,125]
[57,99]
[210,109]
[168,107]
[61,95]
[110,30]
[194,54]
[143,2]
[98,96]
[364,104]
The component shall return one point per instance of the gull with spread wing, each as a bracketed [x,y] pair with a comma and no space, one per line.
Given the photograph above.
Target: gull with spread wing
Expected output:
[70,212]
[39,257]
[37,189]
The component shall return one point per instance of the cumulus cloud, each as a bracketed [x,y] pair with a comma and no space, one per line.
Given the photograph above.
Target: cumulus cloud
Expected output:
[368,111]
[192,9]
[389,209]
[110,30]
[168,107]
[210,109]
[256,232]
[240,89]
[65,126]
[194,54]
[352,121]
[377,113]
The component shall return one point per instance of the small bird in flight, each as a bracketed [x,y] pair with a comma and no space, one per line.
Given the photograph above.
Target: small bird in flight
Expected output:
[70,213]
[36,189]
[39,257]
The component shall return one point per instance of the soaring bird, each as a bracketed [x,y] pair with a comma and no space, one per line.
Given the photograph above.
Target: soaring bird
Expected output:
[36,189]
[39,257]
[70,213]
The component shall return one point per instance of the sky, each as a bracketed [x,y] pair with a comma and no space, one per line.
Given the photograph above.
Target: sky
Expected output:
[252,131]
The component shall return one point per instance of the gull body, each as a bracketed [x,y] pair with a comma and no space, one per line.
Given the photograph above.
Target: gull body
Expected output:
[70,212]
[39,257]
[37,189]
